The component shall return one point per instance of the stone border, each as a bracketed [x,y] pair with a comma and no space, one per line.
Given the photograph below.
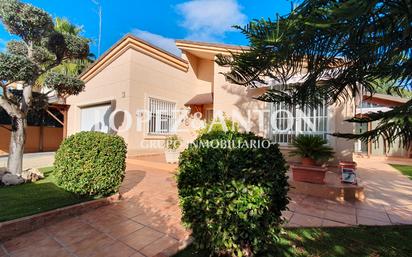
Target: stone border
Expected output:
[13,228]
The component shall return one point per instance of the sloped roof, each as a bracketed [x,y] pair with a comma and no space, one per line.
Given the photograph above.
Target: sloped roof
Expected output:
[130,41]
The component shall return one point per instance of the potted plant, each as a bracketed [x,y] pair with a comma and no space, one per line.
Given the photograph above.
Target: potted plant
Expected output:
[314,151]
[172,144]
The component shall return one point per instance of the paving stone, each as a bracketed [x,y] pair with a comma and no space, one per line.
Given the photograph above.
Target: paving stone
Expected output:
[141,238]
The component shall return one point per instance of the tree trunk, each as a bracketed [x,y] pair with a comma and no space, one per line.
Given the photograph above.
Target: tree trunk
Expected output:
[18,138]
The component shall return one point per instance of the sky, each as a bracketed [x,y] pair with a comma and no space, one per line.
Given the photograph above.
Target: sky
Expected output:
[160,22]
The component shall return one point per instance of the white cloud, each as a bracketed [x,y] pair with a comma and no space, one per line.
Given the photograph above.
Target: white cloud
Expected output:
[209,20]
[165,43]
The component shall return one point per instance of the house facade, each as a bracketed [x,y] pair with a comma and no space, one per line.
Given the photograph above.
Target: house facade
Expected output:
[378,148]
[138,91]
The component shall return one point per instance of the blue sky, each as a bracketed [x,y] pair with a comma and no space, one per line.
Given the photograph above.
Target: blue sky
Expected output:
[161,21]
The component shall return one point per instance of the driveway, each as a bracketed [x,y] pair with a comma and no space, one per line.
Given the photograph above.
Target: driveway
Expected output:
[33,160]
[147,221]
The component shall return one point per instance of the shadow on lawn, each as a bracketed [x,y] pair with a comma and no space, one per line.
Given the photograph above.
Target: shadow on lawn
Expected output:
[32,198]
[338,242]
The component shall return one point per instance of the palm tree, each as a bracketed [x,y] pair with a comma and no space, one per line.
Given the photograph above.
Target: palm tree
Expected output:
[70,67]
[342,49]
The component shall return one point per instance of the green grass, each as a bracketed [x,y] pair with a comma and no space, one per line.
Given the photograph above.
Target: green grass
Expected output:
[28,199]
[405,169]
[340,242]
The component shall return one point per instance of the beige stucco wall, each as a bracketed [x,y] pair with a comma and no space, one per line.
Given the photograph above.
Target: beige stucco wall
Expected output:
[238,103]
[110,85]
[153,78]
[133,77]
[338,114]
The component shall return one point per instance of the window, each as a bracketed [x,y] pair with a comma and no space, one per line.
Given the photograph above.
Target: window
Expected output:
[162,116]
[287,122]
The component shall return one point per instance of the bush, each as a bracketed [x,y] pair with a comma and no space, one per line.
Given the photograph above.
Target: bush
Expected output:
[91,163]
[313,147]
[232,198]
[173,142]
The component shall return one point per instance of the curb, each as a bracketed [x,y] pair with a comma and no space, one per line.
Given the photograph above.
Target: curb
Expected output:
[13,228]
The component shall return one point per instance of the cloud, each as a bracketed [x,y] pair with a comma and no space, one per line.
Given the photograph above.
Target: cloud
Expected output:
[165,43]
[209,20]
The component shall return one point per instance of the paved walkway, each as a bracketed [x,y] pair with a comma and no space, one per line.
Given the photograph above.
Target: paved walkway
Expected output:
[33,160]
[148,220]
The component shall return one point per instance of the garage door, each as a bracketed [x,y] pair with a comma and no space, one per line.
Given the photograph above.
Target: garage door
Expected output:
[95,118]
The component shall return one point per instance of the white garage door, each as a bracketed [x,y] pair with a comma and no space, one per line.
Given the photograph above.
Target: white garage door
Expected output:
[95,118]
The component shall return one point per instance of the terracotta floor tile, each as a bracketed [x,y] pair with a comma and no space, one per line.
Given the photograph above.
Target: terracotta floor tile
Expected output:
[46,247]
[137,255]
[315,202]
[329,223]
[305,220]
[123,229]
[287,215]
[117,249]
[369,206]
[44,252]
[398,216]
[372,222]
[141,238]
[159,246]
[292,206]
[342,208]
[88,246]
[23,241]
[375,215]
[2,252]
[310,210]
[154,220]
[65,225]
[71,236]
[127,211]
[340,217]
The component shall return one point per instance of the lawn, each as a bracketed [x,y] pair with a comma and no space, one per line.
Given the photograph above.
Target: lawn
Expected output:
[27,199]
[340,242]
[405,169]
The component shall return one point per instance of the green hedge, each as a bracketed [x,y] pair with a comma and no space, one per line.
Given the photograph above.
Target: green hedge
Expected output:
[232,198]
[91,163]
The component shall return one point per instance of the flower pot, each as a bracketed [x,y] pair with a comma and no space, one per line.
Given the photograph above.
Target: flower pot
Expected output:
[310,174]
[306,161]
[172,156]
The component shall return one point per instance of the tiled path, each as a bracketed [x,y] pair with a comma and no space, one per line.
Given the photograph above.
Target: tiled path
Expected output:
[148,220]
[388,201]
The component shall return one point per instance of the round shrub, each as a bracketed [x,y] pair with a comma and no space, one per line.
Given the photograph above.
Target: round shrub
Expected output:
[91,163]
[232,188]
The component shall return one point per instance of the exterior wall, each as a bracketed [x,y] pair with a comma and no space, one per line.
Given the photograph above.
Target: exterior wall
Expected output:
[110,85]
[153,78]
[52,137]
[379,148]
[238,103]
[229,98]
[133,77]
[338,114]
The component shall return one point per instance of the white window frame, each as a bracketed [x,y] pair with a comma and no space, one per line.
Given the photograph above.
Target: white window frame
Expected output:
[164,109]
[320,117]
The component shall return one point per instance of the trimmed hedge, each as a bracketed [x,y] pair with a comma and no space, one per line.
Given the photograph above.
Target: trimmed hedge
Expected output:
[232,197]
[91,163]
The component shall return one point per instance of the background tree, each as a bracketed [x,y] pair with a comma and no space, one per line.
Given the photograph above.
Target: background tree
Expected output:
[340,49]
[40,49]
[73,66]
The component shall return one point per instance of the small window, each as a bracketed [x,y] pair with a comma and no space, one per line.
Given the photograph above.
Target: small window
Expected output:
[162,116]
